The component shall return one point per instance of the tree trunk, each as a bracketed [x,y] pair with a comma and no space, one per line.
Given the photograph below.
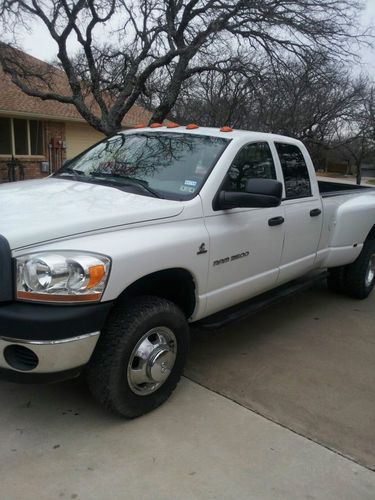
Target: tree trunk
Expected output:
[172,92]
[359,174]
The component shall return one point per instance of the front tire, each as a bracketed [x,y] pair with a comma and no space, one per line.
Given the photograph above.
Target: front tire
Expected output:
[140,356]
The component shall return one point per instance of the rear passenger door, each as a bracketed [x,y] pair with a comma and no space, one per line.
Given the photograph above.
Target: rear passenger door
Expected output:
[303,213]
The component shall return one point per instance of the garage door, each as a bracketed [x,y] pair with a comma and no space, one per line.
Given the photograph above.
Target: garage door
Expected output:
[80,136]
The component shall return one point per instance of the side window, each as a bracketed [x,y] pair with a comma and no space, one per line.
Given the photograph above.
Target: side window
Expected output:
[254,161]
[296,174]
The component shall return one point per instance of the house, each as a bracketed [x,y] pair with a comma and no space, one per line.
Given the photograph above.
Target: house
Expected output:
[39,134]
[368,169]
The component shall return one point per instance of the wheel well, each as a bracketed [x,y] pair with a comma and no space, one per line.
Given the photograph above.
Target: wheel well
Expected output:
[371,235]
[176,285]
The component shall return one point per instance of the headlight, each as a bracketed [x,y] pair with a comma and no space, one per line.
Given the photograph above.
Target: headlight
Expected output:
[62,277]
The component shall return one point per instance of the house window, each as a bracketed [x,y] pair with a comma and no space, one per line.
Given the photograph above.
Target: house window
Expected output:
[36,137]
[21,137]
[21,146]
[5,137]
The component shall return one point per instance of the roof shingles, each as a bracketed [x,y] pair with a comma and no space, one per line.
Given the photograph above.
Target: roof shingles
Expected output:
[13,100]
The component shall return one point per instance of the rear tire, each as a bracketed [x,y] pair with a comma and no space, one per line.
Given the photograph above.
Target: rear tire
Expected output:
[360,276]
[140,356]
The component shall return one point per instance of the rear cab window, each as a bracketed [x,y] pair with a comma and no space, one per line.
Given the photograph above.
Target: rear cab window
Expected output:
[296,174]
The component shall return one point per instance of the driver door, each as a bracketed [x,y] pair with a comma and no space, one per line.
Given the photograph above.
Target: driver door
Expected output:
[245,243]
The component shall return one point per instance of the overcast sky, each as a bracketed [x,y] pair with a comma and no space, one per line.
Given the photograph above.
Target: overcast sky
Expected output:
[40,45]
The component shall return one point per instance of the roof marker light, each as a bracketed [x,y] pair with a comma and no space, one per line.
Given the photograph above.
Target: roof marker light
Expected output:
[156,125]
[172,125]
[226,129]
[192,126]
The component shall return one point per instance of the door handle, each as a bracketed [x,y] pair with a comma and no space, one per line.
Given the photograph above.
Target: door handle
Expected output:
[315,213]
[276,221]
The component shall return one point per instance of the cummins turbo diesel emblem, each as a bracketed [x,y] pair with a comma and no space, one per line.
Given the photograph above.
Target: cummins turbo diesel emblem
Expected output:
[229,259]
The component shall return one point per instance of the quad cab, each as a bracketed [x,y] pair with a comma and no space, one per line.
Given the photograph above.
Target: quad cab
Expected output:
[115,254]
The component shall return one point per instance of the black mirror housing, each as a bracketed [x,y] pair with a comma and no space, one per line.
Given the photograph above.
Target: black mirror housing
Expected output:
[259,193]
[266,187]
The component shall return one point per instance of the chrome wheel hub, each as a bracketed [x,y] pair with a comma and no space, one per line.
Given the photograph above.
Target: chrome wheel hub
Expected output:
[370,276]
[152,360]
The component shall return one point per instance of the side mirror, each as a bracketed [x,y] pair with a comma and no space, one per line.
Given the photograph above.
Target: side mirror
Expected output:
[259,193]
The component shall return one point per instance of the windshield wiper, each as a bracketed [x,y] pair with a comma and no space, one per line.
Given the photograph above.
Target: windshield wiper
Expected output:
[70,171]
[129,181]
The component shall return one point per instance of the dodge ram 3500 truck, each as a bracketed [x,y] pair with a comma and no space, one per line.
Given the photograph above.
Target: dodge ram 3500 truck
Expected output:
[105,263]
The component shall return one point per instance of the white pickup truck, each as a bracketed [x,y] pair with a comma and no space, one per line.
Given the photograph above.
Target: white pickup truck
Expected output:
[104,264]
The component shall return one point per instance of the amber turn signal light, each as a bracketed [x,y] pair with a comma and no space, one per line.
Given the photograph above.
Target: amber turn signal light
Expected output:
[96,274]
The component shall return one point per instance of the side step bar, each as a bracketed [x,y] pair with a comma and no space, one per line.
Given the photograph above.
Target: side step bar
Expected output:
[256,304]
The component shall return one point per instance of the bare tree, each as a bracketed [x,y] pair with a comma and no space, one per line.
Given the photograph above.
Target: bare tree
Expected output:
[368,115]
[302,99]
[354,139]
[180,39]
[222,96]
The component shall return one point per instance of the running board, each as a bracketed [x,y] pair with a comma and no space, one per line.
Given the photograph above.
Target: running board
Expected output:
[256,304]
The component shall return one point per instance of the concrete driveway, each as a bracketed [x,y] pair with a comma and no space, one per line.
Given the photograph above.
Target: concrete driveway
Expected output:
[307,364]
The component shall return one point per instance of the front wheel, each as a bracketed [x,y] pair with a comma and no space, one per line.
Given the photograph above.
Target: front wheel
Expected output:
[139,357]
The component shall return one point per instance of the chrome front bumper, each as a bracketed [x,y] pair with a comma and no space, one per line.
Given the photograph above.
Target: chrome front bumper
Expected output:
[47,356]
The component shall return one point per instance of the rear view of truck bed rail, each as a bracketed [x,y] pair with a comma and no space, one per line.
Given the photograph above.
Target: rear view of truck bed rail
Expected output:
[329,189]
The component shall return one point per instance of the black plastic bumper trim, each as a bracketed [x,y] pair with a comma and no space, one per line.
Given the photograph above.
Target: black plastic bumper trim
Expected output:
[6,271]
[39,378]
[46,322]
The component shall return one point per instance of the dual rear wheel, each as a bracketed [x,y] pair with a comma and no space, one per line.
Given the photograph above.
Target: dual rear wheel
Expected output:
[357,279]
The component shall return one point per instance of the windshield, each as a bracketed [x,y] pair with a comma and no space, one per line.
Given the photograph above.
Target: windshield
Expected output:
[166,165]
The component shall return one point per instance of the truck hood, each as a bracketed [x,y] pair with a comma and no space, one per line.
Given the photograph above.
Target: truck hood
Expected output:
[41,210]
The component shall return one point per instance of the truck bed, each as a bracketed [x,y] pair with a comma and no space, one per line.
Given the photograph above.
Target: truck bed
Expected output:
[329,189]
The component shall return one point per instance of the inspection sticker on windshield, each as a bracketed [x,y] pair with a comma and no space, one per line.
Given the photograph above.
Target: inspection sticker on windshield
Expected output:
[187,189]
[190,183]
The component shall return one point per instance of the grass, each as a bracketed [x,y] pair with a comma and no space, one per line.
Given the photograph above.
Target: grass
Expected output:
[330,174]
